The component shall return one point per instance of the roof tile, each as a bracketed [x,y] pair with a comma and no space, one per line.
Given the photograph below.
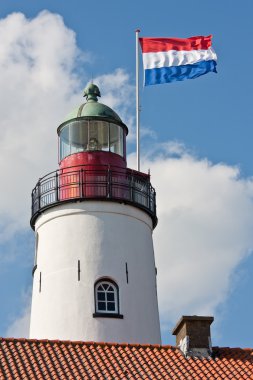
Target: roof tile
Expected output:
[45,359]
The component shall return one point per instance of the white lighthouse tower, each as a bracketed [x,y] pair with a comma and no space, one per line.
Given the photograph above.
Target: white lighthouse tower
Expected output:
[94,277]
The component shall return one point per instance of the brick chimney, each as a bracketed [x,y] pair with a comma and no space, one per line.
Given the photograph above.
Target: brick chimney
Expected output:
[193,335]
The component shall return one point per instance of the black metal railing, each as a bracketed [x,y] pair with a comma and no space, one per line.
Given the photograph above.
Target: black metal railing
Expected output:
[101,183]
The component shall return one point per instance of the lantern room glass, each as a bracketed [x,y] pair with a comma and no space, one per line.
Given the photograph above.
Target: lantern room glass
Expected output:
[91,135]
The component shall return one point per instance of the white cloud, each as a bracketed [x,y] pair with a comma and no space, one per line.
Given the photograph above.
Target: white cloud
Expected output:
[39,86]
[205,228]
[37,83]
[19,327]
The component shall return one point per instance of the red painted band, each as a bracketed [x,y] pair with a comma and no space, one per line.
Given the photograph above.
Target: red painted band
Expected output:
[90,159]
[154,45]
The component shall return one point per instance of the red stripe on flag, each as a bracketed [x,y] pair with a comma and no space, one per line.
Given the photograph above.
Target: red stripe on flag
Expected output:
[153,45]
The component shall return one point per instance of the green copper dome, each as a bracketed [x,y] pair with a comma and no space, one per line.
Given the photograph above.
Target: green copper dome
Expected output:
[92,108]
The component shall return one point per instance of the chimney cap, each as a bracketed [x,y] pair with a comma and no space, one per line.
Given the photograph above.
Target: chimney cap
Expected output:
[186,318]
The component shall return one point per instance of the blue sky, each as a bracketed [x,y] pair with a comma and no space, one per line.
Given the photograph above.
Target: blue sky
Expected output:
[196,137]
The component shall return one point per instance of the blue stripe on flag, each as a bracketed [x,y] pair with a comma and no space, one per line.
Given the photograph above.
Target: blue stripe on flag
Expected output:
[177,73]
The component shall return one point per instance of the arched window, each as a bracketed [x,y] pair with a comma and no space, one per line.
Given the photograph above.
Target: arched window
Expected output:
[106,299]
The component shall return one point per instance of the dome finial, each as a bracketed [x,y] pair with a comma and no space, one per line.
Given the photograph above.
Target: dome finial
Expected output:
[91,92]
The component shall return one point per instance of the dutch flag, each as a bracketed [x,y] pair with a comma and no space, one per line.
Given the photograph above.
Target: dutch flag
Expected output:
[168,60]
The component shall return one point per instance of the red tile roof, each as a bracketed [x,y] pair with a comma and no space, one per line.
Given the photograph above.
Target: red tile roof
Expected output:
[45,359]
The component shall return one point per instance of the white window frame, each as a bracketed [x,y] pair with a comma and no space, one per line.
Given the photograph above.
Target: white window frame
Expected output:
[115,288]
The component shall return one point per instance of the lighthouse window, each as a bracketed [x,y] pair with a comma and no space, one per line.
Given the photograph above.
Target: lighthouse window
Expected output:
[74,138]
[116,139]
[91,135]
[78,137]
[106,297]
[98,136]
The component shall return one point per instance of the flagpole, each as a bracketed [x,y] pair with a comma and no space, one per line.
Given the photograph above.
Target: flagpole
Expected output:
[137,100]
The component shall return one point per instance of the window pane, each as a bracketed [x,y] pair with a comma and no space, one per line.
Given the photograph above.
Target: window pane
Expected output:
[98,135]
[110,296]
[73,138]
[116,139]
[121,142]
[101,306]
[101,296]
[110,306]
[78,136]
[106,297]
[64,143]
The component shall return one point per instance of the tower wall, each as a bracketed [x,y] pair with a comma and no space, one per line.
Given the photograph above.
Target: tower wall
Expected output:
[109,240]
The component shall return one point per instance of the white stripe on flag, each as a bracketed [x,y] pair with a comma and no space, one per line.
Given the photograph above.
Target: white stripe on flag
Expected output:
[177,58]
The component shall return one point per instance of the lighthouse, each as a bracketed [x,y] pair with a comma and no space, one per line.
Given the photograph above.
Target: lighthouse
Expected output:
[94,274]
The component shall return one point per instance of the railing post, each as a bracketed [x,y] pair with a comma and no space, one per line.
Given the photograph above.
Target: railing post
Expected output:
[56,187]
[149,196]
[39,195]
[109,183]
[81,183]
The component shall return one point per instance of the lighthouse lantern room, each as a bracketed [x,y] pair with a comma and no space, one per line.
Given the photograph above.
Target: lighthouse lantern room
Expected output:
[94,275]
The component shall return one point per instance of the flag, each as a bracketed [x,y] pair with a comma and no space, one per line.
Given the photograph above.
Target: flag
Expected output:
[168,60]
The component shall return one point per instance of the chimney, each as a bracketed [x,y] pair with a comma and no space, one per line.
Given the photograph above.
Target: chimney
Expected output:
[193,335]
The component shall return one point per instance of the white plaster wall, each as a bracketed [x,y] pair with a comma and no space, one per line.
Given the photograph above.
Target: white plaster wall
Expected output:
[104,236]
